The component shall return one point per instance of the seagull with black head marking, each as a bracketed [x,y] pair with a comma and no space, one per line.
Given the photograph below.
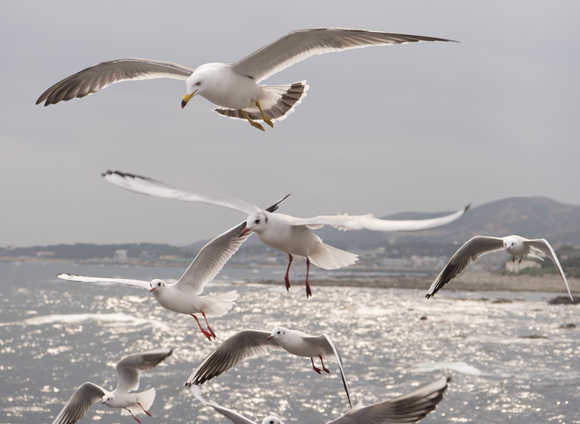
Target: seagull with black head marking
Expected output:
[234,86]
[128,371]
[184,296]
[284,232]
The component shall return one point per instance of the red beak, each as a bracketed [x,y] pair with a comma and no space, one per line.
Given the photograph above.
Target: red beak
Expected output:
[152,289]
[269,338]
[244,231]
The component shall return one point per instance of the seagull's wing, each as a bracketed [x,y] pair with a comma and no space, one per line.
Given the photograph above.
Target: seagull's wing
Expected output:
[228,413]
[408,408]
[471,251]
[144,185]
[331,350]
[214,255]
[369,222]
[79,403]
[242,345]
[133,283]
[131,366]
[542,246]
[303,43]
[101,75]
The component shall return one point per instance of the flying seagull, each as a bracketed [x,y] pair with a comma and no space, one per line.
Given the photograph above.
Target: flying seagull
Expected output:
[233,86]
[250,343]
[128,370]
[284,232]
[184,296]
[479,246]
[408,408]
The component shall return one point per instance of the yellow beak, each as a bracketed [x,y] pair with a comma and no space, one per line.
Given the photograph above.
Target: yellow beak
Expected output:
[186,99]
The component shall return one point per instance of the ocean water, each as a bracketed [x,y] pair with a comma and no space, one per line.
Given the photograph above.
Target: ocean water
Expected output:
[509,358]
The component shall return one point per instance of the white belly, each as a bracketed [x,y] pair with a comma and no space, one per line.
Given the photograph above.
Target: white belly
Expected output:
[179,301]
[228,89]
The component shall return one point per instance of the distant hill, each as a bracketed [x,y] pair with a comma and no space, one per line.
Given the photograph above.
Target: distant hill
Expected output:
[530,217]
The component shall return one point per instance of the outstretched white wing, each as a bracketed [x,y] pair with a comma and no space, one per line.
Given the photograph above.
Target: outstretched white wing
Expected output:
[130,367]
[101,75]
[542,246]
[303,43]
[144,185]
[471,251]
[79,403]
[133,283]
[228,413]
[369,222]
[240,346]
[408,408]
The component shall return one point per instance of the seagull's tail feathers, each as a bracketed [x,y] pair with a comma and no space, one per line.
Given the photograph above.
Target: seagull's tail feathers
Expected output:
[145,398]
[217,305]
[329,257]
[278,102]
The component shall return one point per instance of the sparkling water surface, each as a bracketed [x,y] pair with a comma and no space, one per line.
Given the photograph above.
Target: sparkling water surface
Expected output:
[509,358]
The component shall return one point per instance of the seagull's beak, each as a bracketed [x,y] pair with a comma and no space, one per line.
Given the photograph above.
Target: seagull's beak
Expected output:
[152,289]
[103,403]
[187,98]
[269,338]
[245,231]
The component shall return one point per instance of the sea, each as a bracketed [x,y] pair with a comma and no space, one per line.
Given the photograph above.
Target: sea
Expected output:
[512,356]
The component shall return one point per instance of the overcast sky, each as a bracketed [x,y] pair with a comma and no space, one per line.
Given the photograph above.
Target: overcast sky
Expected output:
[417,127]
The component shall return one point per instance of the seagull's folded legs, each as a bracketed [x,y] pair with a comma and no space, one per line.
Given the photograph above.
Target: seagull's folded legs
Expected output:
[264,117]
[323,367]
[144,410]
[205,333]
[136,419]
[286,278]
[308,291]
[254,124]
[314,366]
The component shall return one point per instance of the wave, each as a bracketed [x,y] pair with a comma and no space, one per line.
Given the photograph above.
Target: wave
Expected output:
[460,367]
[114,319]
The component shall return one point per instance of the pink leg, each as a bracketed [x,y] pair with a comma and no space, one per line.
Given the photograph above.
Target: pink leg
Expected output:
[323,367]
[308,291]
[208,327]
[520,261]
[314,367]
[136,419]
[147,412]
[205,333]
[286,278]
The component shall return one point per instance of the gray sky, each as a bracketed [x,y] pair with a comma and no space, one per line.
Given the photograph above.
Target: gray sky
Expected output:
[423,127]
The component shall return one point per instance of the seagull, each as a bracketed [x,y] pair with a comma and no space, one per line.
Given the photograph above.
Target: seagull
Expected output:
[233,86]
[408,408]
[128,370]
[284,232]
[479,246]
[184,296]
[251,343]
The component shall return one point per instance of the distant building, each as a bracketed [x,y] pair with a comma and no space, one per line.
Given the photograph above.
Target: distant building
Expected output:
[45,254]
[516,266]
[121,256]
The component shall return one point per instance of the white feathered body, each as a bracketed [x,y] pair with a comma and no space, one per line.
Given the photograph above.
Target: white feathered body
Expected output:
[299,240]
[188,302]
[130,400]
[295,343]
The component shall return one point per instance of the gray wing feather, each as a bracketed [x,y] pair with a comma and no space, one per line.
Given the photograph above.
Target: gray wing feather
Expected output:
[471,251]
[150,187]
[336,353]
[127,282]
[228,413]
[408,408]
[542,246]
[129,369]
[101,75]
[79,403]
[303,43]
[240,346]
[369,222]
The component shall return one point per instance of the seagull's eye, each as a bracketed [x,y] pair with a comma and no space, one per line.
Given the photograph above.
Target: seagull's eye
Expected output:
[198,83]
[278,332]
[257,221]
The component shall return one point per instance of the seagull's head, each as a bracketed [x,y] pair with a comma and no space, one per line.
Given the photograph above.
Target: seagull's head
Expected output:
[107,398]
[195,84]
[256,221]
[277,333]
[157,285]
[272,420]
[509,243]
